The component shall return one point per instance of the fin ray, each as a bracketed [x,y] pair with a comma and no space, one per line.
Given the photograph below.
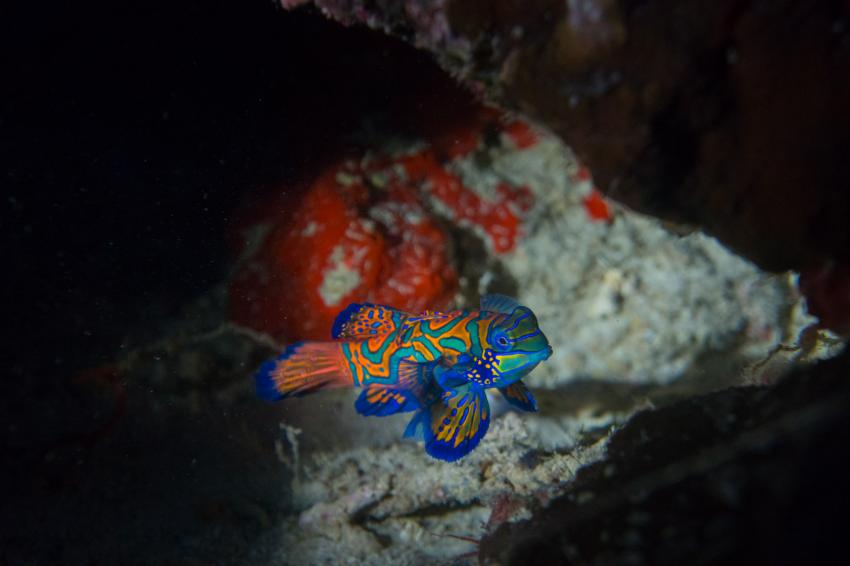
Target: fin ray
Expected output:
[364,320]
[302,368]
[414,377]
[498,303]
[454,424]
[518,395]
[406,394]
[382,401]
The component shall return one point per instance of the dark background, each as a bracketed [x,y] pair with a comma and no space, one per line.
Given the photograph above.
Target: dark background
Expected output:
[131,132]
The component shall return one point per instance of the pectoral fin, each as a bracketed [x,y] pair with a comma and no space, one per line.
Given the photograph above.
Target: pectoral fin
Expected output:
[414,377]
[518,395]
[408,393]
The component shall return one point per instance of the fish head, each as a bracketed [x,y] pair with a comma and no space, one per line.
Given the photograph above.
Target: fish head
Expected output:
[516,344]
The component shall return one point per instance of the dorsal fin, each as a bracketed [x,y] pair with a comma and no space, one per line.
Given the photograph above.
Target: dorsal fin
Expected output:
[365,320]
[498,303]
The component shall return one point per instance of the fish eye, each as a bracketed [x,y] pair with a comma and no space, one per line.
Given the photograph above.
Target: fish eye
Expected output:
[502,341]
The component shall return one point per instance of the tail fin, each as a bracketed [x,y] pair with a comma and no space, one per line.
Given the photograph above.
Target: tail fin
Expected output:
[303,368]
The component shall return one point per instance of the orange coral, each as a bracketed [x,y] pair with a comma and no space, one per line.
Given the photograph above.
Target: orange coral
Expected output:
[344,242]
[597,207]
[499,218]
[365,231]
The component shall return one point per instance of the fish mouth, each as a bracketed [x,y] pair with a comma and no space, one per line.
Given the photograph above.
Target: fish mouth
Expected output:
[542,355]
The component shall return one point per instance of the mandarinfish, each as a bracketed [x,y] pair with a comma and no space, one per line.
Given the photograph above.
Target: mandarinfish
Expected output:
[436,363]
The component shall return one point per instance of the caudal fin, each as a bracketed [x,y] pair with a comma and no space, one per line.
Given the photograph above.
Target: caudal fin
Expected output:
[303,368]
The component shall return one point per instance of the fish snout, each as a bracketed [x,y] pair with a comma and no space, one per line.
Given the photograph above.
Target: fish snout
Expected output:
[549,352]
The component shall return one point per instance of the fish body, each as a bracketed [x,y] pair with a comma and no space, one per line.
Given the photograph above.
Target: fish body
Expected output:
[438,364]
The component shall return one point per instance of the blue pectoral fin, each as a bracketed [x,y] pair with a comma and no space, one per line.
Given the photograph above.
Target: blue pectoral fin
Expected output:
[455,424]
[380,401]
[412,390]
[518,395]
[414,377]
